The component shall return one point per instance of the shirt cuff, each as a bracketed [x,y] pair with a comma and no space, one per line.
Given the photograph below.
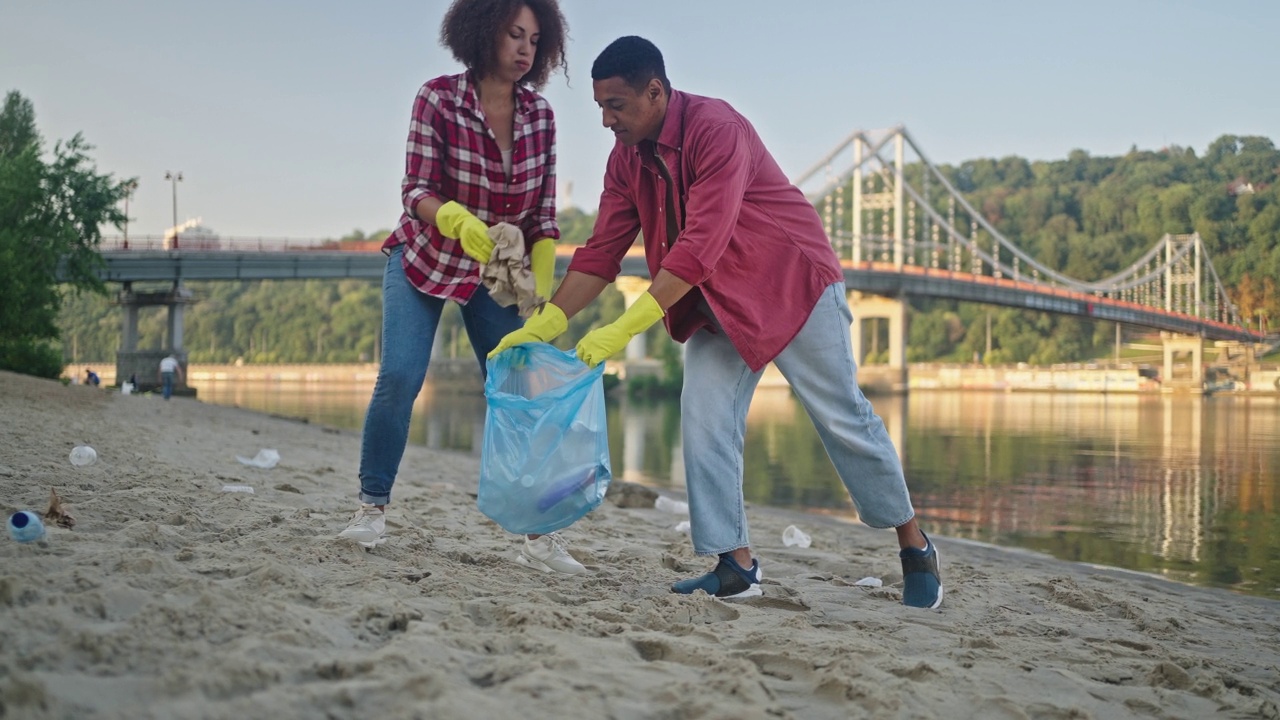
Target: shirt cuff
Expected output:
[594,262]
[686,266]
[412,198]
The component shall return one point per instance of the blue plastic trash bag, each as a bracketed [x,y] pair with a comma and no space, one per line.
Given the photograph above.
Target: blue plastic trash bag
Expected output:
[545,459]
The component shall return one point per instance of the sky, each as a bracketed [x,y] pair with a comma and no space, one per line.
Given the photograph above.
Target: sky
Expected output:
[288,118]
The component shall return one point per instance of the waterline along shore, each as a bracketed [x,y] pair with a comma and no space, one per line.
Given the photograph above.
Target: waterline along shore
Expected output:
[461,375]
[173,596]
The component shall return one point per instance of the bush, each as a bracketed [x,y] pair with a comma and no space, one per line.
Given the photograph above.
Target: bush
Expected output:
[30,358]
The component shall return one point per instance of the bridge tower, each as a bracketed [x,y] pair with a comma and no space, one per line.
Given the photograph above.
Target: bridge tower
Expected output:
[146,363]
[1182,293]
[876,196]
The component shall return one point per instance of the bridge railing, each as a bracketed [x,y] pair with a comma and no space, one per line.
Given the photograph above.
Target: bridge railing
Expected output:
[159,243]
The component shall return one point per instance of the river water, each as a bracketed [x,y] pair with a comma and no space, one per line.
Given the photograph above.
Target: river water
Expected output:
[1179,486]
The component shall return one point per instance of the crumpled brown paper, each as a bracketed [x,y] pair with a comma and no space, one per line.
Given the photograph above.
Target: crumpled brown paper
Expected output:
[506,277]
[57,514]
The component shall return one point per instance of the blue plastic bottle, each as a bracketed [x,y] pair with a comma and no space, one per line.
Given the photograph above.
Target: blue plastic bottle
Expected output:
[25,526]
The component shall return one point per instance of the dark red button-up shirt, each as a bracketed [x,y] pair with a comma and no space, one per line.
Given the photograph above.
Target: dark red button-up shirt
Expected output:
[751,245]
[453,155]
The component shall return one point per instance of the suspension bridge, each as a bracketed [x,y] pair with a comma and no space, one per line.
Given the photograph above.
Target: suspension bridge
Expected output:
[900,227]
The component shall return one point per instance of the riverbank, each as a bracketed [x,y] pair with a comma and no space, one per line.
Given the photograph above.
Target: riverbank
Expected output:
[460,375]
[171,598]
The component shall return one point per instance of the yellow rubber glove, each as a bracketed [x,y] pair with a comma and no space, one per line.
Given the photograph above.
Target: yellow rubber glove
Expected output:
[544,326]
[542,261]
[600,344]
[458,223]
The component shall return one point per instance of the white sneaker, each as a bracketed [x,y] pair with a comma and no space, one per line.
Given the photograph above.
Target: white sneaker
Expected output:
[548,554]
[368,527]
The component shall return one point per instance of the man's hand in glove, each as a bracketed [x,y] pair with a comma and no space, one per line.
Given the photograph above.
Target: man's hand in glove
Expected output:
[598,345]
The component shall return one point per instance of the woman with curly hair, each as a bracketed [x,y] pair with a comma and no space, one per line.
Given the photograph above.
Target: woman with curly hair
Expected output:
[481,151]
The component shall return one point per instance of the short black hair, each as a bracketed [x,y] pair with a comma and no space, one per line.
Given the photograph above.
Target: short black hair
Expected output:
[471,27]
[634,59]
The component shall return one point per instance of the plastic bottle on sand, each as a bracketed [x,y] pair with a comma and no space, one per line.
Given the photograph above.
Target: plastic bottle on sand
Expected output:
[25,526]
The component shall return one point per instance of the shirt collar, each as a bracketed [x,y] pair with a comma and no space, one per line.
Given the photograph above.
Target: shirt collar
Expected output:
[672,135]
[468,94]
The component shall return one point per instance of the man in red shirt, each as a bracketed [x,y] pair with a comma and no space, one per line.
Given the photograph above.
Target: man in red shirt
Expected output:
[744,274]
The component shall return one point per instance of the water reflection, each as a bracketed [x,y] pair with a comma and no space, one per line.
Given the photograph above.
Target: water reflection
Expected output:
[1180,486]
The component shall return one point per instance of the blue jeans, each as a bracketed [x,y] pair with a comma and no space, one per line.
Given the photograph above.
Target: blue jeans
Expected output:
[819,365]
[409,321]
[167,378]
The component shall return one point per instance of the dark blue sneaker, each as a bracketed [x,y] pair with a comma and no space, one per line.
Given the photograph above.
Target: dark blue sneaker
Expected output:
[727,582]
[921,581]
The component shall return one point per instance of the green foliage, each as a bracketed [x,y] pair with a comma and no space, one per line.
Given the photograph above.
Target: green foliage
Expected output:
[31,357]
[284,321]
[575,226]
[50,213]
[1089,217]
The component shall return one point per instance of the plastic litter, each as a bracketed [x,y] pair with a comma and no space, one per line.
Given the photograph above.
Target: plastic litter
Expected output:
[683,526]
[265,459]
[126,388]
[238,488]
[83,455]
[25,526]
[869,582]
[793,536]
[675,507]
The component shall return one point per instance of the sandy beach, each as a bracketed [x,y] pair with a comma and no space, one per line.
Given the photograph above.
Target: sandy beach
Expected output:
[171,598]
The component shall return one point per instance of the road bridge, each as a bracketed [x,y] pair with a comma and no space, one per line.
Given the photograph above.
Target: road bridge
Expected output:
[896,240]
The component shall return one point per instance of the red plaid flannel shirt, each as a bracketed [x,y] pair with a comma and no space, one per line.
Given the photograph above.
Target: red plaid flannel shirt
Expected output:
[452,155]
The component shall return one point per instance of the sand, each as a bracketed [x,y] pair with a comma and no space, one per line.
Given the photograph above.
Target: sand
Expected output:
[173,599]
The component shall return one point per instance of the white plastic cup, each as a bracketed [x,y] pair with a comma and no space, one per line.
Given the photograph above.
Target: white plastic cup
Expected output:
[25,526]
[795,536]
[83,455]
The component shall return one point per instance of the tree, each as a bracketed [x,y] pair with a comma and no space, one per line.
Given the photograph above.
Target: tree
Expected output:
[50,213]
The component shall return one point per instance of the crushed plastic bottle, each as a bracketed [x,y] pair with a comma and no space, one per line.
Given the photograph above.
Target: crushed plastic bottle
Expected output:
[265,459]
[676,507]
[795,536]
[83,455]
[25,526]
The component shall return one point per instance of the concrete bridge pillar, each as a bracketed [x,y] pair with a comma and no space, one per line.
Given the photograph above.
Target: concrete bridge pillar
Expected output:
[1174,345]
[632,288]
[869,307]
[129,329]
[145,364]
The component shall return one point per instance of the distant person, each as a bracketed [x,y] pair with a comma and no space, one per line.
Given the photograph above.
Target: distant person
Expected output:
[481,151]
[169,368]
[744,275]
[91,377]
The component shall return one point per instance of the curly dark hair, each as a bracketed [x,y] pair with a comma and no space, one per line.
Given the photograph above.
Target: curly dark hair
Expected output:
[470,29]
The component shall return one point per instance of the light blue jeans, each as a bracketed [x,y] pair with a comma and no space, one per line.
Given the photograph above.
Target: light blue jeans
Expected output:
[819,365]
[409,321]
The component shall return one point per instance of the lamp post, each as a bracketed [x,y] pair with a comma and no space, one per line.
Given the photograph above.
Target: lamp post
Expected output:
[174,179]
[129,187]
